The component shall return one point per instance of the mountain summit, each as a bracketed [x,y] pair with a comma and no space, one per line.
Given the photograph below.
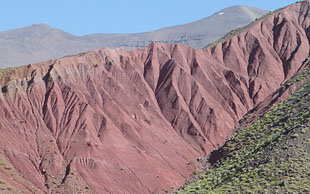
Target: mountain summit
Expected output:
[41,42]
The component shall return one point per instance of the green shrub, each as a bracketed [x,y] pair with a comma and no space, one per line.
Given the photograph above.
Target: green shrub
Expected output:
[8,168]
[294,135]
[10,188]
[304,130]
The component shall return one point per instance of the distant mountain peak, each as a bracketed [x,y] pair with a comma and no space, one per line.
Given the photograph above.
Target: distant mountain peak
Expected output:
[41,25]
[40,42]
[250,11]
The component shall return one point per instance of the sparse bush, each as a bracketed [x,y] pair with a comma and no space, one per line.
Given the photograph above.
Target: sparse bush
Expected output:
[304,130]
[294,135]
[8,168]
[10,188]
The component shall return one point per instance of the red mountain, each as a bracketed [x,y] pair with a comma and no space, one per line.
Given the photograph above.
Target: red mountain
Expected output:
[113,121]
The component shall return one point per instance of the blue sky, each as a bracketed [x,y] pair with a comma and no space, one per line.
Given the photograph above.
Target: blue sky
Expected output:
[81,17]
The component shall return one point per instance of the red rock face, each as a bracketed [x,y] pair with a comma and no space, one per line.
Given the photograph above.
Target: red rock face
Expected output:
[112,121]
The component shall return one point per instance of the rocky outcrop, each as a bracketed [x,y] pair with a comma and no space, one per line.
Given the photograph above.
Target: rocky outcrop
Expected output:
[116,121]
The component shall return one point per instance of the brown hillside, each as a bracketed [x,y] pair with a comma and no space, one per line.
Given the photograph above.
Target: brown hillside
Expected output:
[113,121]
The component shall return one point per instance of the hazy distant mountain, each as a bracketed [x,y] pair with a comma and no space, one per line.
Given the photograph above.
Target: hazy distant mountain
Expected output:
[41,42]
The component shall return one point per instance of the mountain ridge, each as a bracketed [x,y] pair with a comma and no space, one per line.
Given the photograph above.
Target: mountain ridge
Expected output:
[41,42]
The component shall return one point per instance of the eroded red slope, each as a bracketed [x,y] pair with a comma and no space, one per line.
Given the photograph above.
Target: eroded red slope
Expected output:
[112,121]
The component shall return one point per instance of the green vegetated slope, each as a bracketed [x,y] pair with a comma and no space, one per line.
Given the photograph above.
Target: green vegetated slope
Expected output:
[270,156]
[6,70]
